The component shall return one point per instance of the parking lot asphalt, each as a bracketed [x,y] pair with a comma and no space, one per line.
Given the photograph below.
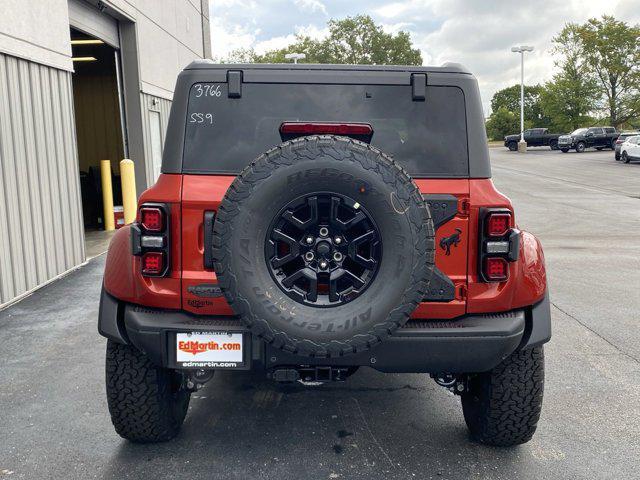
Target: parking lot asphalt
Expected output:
[586,210]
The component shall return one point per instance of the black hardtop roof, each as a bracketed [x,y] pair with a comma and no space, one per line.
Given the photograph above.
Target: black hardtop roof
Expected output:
[206,64]
[448,75]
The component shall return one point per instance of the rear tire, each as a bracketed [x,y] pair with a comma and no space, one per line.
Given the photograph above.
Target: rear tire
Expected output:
[146,402]
[564,150]
[513,146]
[581,147]
[599,148]
[502,406]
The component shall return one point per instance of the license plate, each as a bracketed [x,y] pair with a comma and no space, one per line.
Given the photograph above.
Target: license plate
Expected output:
[209,350]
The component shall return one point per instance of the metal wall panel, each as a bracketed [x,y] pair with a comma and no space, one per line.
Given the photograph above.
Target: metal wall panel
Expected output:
[41,230]
[152,107]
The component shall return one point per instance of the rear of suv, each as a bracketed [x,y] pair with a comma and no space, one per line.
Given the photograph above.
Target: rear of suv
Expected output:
[310,220]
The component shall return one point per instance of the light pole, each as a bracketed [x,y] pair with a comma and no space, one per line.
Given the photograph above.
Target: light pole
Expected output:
[522,145]
[295,57]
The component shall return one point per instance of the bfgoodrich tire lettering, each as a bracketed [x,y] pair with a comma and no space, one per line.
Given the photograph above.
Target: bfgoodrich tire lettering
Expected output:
[345,167]
[503,406]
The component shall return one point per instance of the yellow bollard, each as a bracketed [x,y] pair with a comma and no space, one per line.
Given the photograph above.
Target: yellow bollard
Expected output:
[129,197]
[107,194]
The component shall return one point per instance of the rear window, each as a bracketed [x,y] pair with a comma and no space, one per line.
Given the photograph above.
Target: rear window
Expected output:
[427,138]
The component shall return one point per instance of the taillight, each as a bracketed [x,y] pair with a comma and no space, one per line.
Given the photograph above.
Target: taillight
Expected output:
[151,219]
[496,269]
[153,263]
[499,244]
[323,128]
[498,223]
[150,239]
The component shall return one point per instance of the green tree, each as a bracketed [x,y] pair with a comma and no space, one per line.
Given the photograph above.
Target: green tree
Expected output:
[568,101]
[572,94]
[509,99]
[502,122]
[608,52]
[352,40]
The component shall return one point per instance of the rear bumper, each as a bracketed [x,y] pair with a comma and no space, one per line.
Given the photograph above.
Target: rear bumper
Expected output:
[472,343]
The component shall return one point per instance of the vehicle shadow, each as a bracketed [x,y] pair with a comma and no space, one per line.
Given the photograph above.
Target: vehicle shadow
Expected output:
[371,426]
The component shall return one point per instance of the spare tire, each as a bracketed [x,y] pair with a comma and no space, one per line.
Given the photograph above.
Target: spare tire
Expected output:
[323,246]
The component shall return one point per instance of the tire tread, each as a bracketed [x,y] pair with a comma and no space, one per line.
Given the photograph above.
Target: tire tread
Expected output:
[141,404]
[504,405]
[344,150]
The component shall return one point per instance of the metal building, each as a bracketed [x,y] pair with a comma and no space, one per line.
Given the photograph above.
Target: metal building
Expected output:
[80,81]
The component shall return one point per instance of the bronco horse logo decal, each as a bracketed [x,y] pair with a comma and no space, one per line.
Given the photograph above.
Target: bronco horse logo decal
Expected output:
[447,242]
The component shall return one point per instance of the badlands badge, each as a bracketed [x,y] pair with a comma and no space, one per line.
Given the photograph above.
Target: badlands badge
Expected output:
[209,350]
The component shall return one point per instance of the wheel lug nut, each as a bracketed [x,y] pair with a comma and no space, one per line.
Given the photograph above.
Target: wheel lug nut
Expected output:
[308,256]
[309,239]
[323,264]
[324,231]
[337,240]
[337,256]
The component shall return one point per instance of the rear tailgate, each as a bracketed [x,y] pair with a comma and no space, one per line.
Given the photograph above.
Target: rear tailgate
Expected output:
[420,123]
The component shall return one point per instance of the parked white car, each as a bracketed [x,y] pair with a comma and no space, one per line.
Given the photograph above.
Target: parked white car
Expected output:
[630,149]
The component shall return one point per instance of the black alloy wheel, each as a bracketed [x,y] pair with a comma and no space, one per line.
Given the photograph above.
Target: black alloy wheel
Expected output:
[323,249]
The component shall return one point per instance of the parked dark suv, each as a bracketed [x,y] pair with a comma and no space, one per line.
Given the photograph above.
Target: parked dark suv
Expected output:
[583,138]
[310,220]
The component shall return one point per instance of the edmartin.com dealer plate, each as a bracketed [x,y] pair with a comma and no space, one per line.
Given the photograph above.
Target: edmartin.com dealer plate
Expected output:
[209,350]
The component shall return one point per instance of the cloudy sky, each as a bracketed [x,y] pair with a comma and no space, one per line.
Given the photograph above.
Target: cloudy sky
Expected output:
[476,33]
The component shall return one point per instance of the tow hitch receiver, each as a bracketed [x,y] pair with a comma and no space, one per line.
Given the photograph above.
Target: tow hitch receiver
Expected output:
[313,375]
[456,384]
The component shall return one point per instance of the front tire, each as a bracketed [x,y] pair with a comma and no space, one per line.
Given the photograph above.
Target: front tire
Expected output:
[146,402]
[553,145]
[581,147]
[625,157]
[564,150]
[502,406]
[513,146]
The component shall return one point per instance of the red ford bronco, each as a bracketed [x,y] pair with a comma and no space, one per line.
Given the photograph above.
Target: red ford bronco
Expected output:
[313,219]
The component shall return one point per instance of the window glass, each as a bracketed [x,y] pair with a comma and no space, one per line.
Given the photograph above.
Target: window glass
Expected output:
[427,138]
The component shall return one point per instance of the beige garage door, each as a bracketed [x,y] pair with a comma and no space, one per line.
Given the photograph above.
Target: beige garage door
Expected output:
[87,18]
